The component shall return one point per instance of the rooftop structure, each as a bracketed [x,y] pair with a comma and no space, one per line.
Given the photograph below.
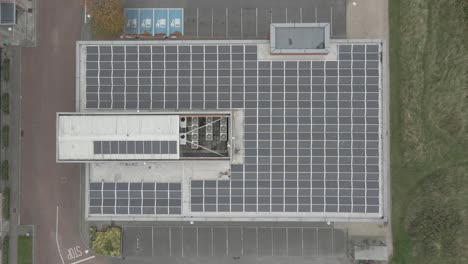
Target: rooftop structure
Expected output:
[303,38]
[7,13]
[117,137]
[303,135]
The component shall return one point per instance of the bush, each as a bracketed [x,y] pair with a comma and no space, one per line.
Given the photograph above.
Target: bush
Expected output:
[6,103]
[107,18]
[5,249]
[6,203]
[6,69]
[107,242]
[5,171]
[5,136]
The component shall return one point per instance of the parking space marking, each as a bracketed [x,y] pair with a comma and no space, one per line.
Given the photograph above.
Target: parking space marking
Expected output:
[333,231]
[170,237]
[227,22]
[302,241]
[197,22]
[212,248]
[182,242]
[212,22]
[152,241]
[315,15]
[227,241]
[286,16]
[300,18]
[272,247]
[256,22]
[331,20]
[242,24]
[56,235]
[83,260]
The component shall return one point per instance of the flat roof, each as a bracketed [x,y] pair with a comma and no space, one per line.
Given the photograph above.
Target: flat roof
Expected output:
[312,128]
[116,137]
[291,38]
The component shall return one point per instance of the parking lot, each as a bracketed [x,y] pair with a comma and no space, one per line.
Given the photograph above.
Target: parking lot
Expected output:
[232,241]
[254,23]
[247,19]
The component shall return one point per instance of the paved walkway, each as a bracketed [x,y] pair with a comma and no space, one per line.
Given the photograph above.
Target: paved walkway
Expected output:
[368,19]
[12,153]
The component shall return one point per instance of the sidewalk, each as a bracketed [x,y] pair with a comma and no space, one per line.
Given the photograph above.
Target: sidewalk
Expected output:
[13,153]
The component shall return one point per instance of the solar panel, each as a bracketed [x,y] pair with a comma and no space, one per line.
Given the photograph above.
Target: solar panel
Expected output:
[135,198]
[312,133]
[135,147]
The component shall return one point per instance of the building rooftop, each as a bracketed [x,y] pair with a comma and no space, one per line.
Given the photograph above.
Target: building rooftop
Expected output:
[116,137]
[311,128]
[291,38]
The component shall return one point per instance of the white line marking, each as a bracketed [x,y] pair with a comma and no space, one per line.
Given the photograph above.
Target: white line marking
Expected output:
[256,22]
[85,11]
[316,15]
[79,261]
[197,22]
[242,25]
[56,235]
[212,22]
[152,241]
[227,21]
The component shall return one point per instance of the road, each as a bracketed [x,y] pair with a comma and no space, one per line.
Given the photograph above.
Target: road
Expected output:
[50,191]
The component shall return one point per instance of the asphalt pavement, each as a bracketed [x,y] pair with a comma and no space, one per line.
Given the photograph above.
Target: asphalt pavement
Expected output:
[50,191]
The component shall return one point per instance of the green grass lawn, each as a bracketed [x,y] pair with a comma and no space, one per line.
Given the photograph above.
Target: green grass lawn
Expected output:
[6,69]
[25,250]
[6,203]
[6,103]
[5,136]
[5,249]
[5,171]
[429,139]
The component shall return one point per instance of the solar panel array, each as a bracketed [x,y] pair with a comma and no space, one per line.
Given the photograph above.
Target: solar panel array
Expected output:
[135,147]
[134,198]
[311,127]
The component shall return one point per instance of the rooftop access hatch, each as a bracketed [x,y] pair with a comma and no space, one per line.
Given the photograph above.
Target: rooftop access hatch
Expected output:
[304,38]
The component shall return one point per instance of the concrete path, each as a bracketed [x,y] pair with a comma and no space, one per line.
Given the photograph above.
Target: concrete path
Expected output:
[369,19]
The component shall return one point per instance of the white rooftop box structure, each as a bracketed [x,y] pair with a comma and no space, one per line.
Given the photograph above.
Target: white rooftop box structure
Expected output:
[96,137]
[303,38]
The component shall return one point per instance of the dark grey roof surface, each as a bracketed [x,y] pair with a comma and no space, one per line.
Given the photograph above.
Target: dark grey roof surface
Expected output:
[7,13]
[311,127]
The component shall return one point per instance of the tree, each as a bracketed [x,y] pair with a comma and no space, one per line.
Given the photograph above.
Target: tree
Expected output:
[107,18]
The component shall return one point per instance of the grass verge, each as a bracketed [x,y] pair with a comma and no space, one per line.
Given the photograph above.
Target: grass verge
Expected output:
[25,249]
[5,249]
[429,139]
[5,170]
[5,136]
[6,69]
[6,103]
[107,242]
[6,203]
